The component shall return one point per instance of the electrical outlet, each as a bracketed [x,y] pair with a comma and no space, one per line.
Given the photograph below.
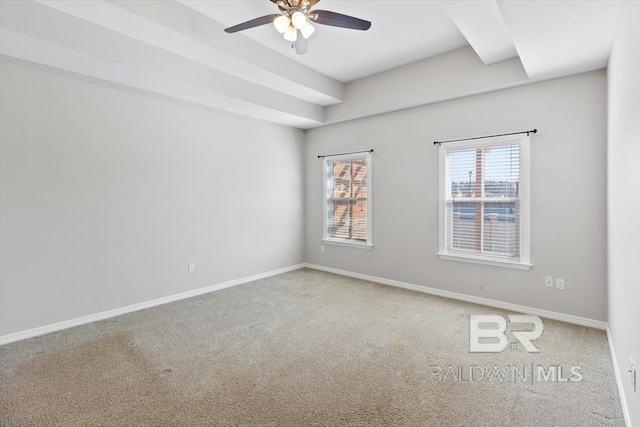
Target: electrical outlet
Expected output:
[560,284]
[321,248]
[192,267]
[632,372]
[548,282]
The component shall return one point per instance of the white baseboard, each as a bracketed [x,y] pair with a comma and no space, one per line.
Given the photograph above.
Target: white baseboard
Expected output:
[583,321]
[5,339]
[623,400]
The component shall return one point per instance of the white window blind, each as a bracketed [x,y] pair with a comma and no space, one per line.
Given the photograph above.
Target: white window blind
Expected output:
[483,201]
[347,215]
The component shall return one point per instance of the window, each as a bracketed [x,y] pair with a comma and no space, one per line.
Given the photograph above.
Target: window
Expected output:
[484,201]
[347,201]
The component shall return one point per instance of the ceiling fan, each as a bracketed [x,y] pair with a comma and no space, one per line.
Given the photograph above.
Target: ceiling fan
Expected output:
[294,23]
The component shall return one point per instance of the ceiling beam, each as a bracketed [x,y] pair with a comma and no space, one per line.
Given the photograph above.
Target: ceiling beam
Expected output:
[452,75]
[179,29]
[26,48]
[33,32]
[482,25]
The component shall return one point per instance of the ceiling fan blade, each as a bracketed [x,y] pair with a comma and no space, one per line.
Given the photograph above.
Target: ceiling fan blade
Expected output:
[339,20]
[263,20]
[313,3]
[300,44]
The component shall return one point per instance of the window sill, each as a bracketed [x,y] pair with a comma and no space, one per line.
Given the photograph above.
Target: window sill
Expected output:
[348,243]
[477,260]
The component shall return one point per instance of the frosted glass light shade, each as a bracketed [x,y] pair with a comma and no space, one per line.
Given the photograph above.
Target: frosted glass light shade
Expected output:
[298,19]
[307,30]
[291,34]
[282,23]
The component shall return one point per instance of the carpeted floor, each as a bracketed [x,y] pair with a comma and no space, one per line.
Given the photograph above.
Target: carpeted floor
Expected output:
[301,349]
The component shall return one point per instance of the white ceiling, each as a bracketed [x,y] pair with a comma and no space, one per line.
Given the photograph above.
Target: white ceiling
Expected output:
[566,36]
[402,32]
[179,49]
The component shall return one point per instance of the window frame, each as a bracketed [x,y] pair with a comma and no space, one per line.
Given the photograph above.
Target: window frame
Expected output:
[524,263]
[348,242]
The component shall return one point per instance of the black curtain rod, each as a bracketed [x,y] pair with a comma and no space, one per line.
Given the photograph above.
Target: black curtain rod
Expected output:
[487,136]
[344,154]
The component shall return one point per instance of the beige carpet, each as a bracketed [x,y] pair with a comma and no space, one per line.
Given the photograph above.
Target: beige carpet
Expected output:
[300,349]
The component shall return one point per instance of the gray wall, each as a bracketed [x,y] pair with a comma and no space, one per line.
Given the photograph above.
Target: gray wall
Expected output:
[108,194]
[568,225]
[624,199]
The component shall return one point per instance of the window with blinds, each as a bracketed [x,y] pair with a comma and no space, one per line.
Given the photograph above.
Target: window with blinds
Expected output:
[347,199]
[483,200]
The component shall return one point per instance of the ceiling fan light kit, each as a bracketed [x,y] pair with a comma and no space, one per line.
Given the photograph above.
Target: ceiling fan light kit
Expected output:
[281,23]
[296,17]
[291,34]
[307,30]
